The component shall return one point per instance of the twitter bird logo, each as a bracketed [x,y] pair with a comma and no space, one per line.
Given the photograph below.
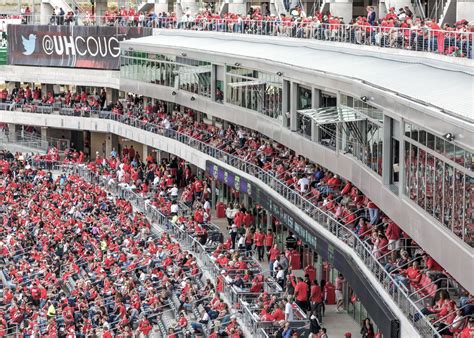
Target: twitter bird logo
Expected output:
[29,44]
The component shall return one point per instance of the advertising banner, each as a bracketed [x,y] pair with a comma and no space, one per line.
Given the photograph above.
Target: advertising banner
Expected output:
[69,46]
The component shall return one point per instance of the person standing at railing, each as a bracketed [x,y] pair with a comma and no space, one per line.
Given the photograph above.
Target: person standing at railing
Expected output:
[371,16]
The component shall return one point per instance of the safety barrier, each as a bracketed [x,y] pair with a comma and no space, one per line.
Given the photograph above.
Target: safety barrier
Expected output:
[422,38]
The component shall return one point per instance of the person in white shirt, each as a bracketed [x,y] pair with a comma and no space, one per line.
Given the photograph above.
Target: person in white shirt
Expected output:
[303,184]
[289,316]
[173,191]
[207,206]
[174,208]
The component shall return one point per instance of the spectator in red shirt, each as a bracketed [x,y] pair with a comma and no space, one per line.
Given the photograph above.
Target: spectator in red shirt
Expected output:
[316,300]
[301,294]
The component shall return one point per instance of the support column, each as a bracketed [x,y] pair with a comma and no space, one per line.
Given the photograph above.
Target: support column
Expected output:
[44,136]
[269,220]
[189,6]
[293,105]
[386,151]
[402,163]
[238,6]
[12,132]
[45,88]
[100,9]
[213,193]
[112,95]
[315,98]
[314,132]
[213,82]
[161,6]
[46,11]
[144,154]
[342,8]
[111,143]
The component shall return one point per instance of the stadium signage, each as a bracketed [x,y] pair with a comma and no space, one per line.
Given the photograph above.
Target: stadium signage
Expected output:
[69,46]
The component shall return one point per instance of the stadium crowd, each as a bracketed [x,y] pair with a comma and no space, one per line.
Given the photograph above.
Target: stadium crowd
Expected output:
[406,262]
[77,262]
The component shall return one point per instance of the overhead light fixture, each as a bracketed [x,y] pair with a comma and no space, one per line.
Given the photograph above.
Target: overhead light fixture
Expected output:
[184,54]
[279,73]
[173,93]
[364,99]
[449,137]
[193,98]
[237,64]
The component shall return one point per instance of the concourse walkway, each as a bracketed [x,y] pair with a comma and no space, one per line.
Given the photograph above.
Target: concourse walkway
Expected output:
[336,323]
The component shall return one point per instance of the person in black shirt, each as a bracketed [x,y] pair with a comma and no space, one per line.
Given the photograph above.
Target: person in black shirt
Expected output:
[291,242]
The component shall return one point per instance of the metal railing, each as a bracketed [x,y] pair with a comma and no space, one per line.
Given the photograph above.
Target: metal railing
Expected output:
[456,43]
[398,292]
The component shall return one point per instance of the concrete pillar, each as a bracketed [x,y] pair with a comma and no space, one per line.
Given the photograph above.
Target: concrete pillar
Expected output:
[161,6]
[315,98]
[342,8]
[100,9]
[213,193]
[44,136]
[293,105]
[12,132]
[269,220]
[111,143]
[401,172]
[46,12]
[158,156]
[112,95]
[144,154]
[45,88]
[213,82]
[314,132]
[386,150]
[238,6]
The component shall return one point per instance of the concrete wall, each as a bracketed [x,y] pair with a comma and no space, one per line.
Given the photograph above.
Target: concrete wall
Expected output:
[464,10]
[97,139]
[61,76]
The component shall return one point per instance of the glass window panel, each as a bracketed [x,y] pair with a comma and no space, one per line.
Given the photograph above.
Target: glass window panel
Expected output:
[421,185]
[439,146]
[448,195]
[438,190]
[458,208]
[430,140]
[413,172]
[449,150]
[459,156]
[304,98]
[429,179]
[414,132]
[422,136]
[468,160]
[407,168]
[469,211]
